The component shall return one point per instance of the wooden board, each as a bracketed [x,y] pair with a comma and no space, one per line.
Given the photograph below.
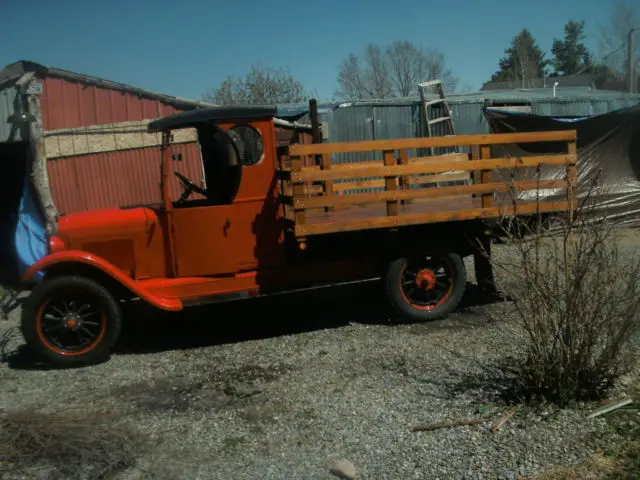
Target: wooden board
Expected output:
[449,141]
[350,220]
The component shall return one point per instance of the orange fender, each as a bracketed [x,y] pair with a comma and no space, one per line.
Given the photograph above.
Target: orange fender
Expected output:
[78,256]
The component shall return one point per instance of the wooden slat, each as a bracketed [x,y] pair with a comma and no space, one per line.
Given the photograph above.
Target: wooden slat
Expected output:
[447,141]
[380,183]
[433,167]
[461,157]
[405,181]
[298,190]
[328,185]
[572,177]
[439,120]
[363,198]
[485,176]
[418,218]
[390,183]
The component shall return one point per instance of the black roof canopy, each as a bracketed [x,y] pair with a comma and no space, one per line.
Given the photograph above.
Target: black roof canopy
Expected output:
[193,118]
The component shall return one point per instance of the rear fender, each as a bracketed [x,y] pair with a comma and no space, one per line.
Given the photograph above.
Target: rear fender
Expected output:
[69,257]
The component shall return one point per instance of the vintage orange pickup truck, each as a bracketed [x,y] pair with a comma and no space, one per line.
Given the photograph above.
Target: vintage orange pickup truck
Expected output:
[270,220]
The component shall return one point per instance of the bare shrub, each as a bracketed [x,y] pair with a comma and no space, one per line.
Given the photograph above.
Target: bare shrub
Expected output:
[64,445]
[575,299]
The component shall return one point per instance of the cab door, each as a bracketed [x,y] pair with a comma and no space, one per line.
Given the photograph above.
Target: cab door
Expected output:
[245,235]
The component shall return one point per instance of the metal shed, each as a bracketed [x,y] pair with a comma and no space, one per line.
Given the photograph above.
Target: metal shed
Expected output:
[401,118]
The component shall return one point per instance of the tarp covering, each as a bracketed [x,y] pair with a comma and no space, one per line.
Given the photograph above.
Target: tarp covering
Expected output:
[31,239]
[23,236]
[608,148]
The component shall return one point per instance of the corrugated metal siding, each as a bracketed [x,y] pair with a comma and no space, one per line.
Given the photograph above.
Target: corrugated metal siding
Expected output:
[114,179]
[7,109]
[468,118]
[349,124]
[67,104]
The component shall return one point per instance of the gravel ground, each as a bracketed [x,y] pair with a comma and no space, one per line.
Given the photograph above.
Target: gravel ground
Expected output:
[225,393]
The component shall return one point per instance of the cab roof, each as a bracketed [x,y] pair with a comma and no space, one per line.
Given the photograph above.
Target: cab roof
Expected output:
[194,118]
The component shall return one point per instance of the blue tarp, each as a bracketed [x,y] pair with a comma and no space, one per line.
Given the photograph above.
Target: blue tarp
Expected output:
[31,238]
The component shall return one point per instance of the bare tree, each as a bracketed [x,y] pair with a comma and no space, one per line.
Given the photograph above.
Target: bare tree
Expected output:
[435,69]
[407,66]
[261,86]
[377,72]
[391,71]
[613,36]
[351,80]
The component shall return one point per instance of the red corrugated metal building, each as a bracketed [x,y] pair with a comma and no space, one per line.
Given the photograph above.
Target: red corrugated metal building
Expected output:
[98,155]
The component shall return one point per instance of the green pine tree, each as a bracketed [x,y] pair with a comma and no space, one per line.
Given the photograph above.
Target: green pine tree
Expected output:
[524,62]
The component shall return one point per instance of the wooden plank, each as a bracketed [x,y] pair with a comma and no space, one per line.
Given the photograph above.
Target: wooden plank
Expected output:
[341,187]
[390,183]
[450,141]
[405,181]
[485,176]
[435,217]
[298,190]
[328,185]
[461,157]
[439,120]
[572,178]
[433,167]
[363,198]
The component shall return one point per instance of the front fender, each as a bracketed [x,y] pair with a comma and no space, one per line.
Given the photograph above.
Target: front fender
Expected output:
[78,256]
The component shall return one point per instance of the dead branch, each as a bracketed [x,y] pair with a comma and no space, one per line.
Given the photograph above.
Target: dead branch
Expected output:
[437,426]
[505,418]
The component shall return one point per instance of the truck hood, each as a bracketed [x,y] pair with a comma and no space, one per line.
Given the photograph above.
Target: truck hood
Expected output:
[103,225]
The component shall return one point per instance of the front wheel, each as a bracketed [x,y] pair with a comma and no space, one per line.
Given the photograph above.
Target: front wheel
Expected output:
[71,320]
[426,287]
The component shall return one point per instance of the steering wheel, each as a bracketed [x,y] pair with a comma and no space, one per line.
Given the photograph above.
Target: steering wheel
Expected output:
[189,187]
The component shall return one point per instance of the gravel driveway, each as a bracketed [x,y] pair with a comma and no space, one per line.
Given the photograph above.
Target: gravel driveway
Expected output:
[224,393]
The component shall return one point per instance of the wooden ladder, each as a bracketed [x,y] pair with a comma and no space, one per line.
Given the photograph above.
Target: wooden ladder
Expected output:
[439,104]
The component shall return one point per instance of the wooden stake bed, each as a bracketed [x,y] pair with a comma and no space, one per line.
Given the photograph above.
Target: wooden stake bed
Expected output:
[320,200]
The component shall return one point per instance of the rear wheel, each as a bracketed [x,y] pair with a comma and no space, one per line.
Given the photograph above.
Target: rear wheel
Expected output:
[71,320]
[426,287]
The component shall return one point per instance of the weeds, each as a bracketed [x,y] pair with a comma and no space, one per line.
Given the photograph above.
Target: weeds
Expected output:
[69,445]
[575,300]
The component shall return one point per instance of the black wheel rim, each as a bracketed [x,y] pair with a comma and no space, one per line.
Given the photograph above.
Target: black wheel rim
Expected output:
[71,324]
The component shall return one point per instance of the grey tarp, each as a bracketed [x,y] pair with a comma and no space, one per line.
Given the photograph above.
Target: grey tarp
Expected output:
[608,156]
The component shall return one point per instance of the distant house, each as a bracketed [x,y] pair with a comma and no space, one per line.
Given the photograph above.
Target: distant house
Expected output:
[585,80]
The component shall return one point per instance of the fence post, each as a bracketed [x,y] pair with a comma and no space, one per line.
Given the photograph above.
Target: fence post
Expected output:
[485,176]
[297,190]
[390,183]
[572,179]
[328,184]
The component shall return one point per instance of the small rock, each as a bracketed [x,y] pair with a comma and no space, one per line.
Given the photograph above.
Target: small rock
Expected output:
[343,469]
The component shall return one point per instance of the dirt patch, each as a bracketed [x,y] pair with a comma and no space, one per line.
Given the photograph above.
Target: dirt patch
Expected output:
[217,389]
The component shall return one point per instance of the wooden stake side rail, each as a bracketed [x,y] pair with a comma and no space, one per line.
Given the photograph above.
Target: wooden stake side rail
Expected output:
[309,188]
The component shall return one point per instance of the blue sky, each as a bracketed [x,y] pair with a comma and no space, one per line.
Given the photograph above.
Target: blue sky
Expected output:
[183,47]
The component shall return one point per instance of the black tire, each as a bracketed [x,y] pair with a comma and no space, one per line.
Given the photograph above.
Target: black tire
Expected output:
[448,294]
[44,312]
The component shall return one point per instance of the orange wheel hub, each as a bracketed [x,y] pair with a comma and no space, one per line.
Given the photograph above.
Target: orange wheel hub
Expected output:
[426,279]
